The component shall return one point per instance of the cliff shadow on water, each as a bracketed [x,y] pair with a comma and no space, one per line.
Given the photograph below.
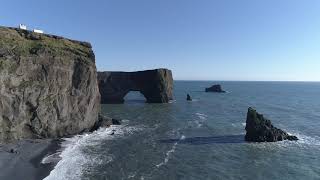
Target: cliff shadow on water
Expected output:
[228,139]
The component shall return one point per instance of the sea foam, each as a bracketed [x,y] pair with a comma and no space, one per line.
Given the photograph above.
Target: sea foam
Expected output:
[73,161]
[168,153]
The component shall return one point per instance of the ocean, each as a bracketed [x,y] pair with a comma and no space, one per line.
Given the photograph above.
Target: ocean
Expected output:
[202,139]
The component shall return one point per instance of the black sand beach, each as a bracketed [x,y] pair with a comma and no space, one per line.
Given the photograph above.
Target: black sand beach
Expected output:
[25,162]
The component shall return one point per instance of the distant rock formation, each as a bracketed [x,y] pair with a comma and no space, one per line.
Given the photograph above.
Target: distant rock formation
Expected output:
[260,129]
[215,88]
[189,97]
[156,85]
[48,86]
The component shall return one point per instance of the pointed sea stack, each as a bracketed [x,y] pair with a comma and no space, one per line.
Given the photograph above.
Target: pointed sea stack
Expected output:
[215,88]
[189,97]
[260,129]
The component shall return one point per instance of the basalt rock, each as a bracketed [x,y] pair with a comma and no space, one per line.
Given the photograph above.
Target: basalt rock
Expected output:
[215,88]
[260,129]
[189,97]
[116,121]
[104,121]
[156,85]
[48,86]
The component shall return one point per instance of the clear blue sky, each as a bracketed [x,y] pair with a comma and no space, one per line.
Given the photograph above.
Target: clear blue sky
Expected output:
[197,39]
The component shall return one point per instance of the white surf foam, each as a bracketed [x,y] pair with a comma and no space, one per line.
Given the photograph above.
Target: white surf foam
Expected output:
[194,100]
[201,115]
[53,158]
[74,160]
[303,142]
[168,153]
[171,101]
[202,118]
[308,140]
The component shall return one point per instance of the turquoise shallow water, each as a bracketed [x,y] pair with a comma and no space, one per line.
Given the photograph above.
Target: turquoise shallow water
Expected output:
[203,139]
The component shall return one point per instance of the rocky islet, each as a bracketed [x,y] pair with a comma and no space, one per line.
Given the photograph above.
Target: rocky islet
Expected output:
[215,88]
[260,129]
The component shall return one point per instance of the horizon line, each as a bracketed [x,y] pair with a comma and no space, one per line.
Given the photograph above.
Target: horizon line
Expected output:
[249,80]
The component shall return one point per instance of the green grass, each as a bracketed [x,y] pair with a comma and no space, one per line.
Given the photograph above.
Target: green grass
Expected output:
[26,43]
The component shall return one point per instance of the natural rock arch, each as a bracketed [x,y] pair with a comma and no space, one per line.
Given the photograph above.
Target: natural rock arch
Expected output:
[134,96]
[156,85]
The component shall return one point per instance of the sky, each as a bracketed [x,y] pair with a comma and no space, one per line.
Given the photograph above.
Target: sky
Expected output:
[246,40]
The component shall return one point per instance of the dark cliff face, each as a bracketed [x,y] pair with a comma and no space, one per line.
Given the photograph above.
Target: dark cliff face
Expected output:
[260,129]
[156,85]
[48,86]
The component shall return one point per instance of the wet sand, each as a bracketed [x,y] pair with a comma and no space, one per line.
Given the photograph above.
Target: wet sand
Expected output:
[25,162]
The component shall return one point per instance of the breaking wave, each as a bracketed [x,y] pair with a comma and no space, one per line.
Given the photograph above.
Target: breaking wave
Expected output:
[73,161]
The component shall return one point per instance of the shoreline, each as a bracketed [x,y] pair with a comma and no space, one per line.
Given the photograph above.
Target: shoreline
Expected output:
[26,161]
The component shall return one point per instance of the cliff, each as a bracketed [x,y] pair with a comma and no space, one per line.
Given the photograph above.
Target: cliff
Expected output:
[48,86]
[156,85]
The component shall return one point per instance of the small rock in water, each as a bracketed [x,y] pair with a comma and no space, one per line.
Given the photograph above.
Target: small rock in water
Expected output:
[189,97]
[104,121]
[13,151]
[215,88]
[260,129]
[113,131]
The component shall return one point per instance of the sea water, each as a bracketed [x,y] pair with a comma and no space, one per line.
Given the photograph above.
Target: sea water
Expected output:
[202,139]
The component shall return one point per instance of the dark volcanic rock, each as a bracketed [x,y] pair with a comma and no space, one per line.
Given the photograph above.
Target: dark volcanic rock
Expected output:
[48,86]
[116,121]
[215,88]
[104,121]
[189,97]
[156,85]
[13,151]
[260,129]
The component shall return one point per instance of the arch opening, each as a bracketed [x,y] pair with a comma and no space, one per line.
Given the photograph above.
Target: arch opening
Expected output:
[133,97]
[156,86]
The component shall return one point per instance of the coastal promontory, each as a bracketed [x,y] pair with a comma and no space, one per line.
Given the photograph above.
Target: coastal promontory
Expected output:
[48,86]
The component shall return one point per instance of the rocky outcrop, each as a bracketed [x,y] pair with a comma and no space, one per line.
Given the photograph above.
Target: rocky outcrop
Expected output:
[156,85]
[48,86]
[260,129]
[104,121]
[215,88]
[189,97]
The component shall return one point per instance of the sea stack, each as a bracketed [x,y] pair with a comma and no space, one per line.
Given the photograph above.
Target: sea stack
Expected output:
[48,86]
[215,88]
[156,85]
[189,97]
[260,129]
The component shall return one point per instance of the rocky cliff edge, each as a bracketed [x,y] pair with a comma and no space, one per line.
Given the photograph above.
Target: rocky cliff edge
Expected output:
[48,86]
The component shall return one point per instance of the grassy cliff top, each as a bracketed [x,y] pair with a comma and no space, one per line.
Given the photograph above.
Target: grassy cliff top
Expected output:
[14,41]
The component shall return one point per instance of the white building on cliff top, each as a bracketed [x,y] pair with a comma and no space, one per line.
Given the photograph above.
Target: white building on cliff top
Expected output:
[22,26]
[38,31]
